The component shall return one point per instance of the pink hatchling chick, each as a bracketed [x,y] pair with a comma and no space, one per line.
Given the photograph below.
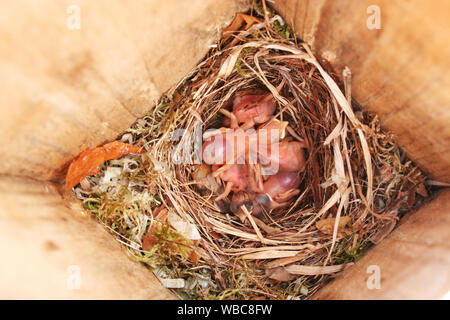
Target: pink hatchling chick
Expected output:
[253,109]
[289,157]
[282,186]
[227,147]
[235,176]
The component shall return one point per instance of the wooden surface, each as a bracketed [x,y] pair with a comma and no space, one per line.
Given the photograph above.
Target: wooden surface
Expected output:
[401,71]
[67,89]
[64,90]
[414,261]
[45,241]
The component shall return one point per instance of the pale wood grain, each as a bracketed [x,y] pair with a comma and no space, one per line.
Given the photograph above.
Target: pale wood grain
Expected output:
[42,235]
[401,72]
[64,90]
[414,260]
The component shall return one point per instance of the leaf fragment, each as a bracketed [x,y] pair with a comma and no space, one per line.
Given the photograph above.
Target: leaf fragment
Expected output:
[279,274]
[88,162]
[326,225]
[241,21]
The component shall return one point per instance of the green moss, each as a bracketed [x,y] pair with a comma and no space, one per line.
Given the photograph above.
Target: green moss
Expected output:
[239,60]
[258,8]
[348,252]
[283,29]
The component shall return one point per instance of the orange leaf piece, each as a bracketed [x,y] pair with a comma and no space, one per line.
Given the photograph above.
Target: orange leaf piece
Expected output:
[194,256]
[240,21]
[327,225]
[87,162]
[149,240]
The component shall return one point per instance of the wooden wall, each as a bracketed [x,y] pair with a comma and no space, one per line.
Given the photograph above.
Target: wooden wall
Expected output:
[400,71]
[413,262]
[64,89]
[46,242]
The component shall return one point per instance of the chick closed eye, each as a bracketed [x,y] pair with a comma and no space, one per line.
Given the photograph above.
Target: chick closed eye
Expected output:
[235,176]
[253,109]
[281,187]
[284,156]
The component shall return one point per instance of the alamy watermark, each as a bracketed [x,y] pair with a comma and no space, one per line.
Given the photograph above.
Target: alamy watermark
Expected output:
[374,280]
[228,146]
[374,19]
[73,281]
[73,21]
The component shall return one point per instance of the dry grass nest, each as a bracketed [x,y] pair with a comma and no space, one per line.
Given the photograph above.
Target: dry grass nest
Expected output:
[356,184]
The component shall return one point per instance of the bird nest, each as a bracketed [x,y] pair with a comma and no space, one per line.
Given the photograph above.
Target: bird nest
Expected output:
[164,204]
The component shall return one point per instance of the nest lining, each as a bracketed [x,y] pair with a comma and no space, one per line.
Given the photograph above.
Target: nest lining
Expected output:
[356,185]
